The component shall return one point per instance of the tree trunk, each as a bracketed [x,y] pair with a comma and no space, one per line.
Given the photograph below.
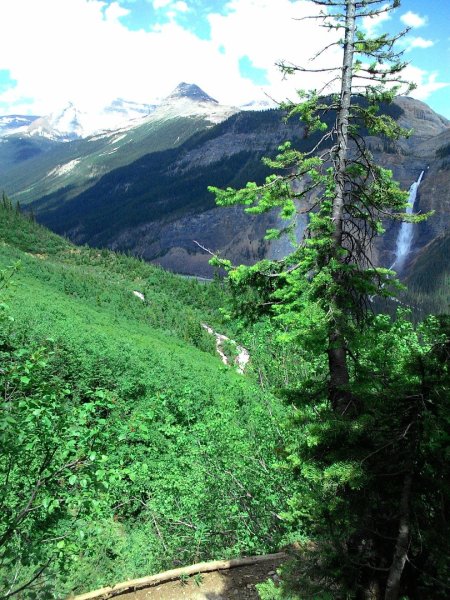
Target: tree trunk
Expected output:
[339,393]
[339,385]
[341,149]
[402,545]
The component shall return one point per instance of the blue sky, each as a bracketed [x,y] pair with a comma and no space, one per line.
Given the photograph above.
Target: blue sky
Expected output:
[92,51]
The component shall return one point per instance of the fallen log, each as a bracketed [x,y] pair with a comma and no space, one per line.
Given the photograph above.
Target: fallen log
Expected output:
[205,567]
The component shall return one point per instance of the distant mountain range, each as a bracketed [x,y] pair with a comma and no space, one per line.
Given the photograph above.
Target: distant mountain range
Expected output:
[53,167]
[142,188]
[12,123]
[70,123]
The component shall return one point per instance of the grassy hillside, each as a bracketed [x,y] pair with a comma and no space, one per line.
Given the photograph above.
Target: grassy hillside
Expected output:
[128,447]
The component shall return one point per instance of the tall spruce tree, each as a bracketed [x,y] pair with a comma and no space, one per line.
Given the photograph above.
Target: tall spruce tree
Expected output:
[354,499]
[352,194]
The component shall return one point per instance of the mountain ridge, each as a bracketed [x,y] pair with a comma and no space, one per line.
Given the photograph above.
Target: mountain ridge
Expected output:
[72,123]
[77,164]
[161,203]
[149,196]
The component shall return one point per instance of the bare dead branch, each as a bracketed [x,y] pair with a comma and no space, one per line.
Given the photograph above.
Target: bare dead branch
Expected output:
[26,585]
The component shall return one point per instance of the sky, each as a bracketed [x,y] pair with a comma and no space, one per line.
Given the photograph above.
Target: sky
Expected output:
[90,52]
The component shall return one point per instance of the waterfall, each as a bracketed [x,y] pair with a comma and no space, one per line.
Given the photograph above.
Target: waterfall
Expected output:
[405,235]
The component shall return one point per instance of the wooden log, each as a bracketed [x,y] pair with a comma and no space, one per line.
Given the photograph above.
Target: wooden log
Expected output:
[152,580]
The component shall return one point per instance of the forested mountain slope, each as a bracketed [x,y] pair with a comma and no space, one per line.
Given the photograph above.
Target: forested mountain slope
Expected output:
[38,160]
[69,168]
[428,282]
[157,206]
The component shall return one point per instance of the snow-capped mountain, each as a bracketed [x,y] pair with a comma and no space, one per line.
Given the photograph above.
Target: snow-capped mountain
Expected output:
[128,110]
[121,133]
[190,91]
[187,100]
[10,123]
[259,105]
[71,123]
[64,125]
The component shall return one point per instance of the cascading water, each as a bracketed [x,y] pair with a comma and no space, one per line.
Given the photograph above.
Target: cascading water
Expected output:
[405,235]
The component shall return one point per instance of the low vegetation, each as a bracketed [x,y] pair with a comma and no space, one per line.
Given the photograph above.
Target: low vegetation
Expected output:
[128,447]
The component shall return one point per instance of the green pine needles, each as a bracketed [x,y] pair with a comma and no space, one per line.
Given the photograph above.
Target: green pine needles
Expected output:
[363,412]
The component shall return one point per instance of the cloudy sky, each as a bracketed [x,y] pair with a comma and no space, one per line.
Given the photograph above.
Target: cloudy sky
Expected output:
[92,51]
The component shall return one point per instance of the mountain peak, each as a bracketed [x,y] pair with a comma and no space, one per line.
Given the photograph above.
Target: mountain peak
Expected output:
[192,92]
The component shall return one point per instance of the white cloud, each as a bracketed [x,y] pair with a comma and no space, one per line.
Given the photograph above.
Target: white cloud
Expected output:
[371,24]
[161,3]
[173,6]
[426,81]
[79,50]
[411,19]
[114,11]
[418,42]
[180,6]
[276,34]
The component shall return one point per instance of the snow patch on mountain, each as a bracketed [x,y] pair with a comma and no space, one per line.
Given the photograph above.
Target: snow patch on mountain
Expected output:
[188,100]
[10,123]
[63,169]
[71,123]
[186,107]
[118,138]
[259,105]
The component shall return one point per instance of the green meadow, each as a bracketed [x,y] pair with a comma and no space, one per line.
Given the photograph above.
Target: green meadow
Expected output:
[129,447]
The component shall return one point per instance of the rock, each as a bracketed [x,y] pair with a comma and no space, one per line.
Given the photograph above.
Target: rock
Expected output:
[241,359]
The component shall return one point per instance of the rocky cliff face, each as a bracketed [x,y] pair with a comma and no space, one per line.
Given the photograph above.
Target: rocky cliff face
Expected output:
[159,206]
[423,151]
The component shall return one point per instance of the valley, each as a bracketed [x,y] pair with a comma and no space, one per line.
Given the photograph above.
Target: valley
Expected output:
[152,421]
[143,188]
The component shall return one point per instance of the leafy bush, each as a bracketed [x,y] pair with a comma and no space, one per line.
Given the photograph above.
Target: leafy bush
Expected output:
[139,450]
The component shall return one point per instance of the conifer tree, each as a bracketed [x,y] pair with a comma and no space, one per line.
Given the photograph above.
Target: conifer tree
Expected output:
[321,291]
[352,194]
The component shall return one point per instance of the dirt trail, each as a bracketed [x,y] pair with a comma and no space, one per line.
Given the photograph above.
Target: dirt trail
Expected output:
[232,584]
[214,580]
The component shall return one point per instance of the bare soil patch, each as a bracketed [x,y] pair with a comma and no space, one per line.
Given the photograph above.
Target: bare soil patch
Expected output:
[237,583]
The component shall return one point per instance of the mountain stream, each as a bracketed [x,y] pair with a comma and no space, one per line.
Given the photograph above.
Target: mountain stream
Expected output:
[242,354]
